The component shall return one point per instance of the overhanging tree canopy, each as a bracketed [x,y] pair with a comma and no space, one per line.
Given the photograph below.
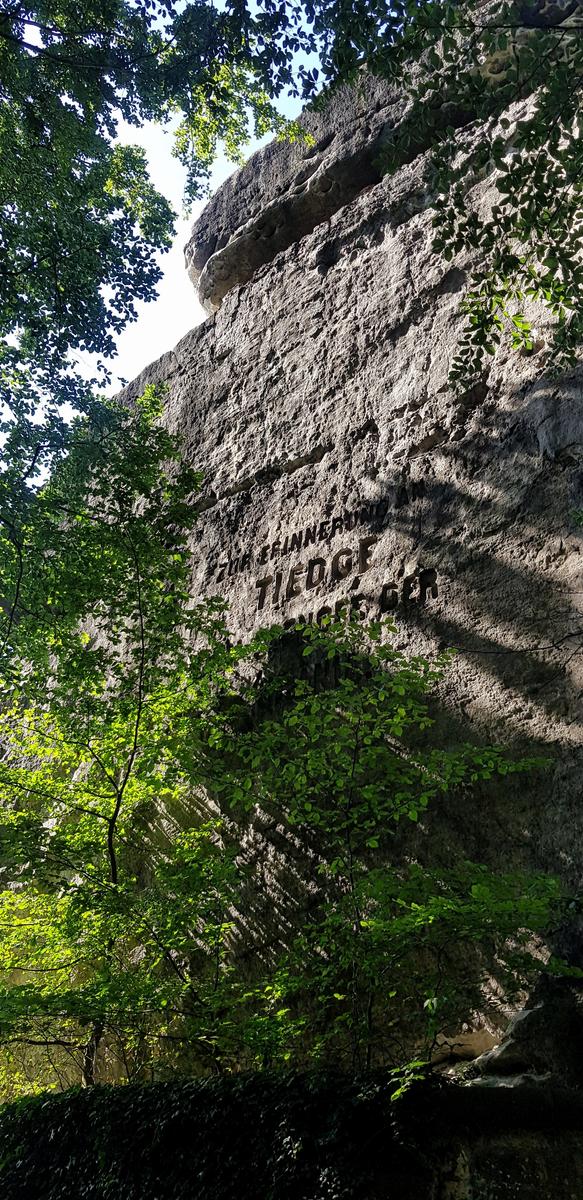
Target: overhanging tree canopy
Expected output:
[81,221]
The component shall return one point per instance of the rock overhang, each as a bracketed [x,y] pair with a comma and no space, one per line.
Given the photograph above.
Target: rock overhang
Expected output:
[290,186]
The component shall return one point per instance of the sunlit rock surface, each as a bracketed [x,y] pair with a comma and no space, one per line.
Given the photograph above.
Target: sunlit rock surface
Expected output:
[340,470]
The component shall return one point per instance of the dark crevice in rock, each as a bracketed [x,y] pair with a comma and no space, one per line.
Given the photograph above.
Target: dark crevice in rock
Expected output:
[453,281]
[265,476]
[327,256]
[370,428]
[434,438]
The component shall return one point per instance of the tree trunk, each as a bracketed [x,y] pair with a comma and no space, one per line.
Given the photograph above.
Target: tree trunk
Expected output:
[90,1054]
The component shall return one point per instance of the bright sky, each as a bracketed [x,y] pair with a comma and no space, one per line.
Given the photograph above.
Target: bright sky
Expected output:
[163,322]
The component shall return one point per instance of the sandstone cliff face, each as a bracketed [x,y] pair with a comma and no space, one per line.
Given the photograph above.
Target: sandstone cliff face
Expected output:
[341,470]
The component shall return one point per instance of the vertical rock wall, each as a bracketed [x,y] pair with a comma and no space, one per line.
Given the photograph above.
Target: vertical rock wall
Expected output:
[340,469]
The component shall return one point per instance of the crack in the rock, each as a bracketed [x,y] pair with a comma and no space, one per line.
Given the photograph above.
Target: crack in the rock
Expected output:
[265,475]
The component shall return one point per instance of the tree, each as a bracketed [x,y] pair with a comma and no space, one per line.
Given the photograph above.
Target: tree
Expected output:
[391,952]
[141,752]
[98,664]
[81,220]
[97,613]
[482,59]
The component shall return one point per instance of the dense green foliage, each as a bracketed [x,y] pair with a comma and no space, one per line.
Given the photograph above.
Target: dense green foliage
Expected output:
[97,621]
[201,851]
[80,221]
[275,1135]
[79,214]
[281,1137]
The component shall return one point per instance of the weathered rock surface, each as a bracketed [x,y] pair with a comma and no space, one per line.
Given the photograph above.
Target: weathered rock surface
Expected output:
[543,1042]
[340,469]
[287,189]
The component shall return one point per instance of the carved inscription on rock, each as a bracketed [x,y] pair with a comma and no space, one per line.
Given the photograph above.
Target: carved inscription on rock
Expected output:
[278,589]
[285,585]
[325,530]
[331,551]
